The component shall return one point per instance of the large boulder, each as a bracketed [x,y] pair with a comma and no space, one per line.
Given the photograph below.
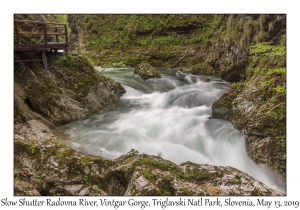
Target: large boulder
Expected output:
[146,71]
[71,90]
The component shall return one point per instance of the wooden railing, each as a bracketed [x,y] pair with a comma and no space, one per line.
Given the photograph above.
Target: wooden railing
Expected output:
[44,30]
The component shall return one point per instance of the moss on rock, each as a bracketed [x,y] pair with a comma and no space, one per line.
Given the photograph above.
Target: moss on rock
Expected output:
[257,106]
[71,90]
[48,168]
[146,71]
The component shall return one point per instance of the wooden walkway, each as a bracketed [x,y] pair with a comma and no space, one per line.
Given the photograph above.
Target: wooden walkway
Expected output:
[40,36]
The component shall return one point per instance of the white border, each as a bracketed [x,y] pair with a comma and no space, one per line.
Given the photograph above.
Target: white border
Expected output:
[8,8]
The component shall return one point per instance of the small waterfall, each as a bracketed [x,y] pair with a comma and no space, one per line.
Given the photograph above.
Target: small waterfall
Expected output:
[170,116]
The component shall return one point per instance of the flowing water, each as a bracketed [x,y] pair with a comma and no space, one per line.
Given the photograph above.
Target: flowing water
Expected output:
[169,116]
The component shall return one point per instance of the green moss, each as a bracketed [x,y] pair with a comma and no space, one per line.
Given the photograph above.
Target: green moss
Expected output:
[256,192]
[149,175]
[202,69]
[267,83]
[114,40]
[166,187]
[279,89]
[235,181]
[161,164]
[186,192]
[63,19]
[166,193]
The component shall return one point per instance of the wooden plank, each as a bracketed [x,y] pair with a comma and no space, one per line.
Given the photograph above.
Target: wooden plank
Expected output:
[50,44]
[40,33]
[36,47]
[45,34]
[66,31]
[55,27]
[55,43]
[28,60]
[56,35]
[34,21]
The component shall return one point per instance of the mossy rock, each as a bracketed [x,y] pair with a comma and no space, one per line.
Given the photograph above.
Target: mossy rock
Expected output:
[146,71]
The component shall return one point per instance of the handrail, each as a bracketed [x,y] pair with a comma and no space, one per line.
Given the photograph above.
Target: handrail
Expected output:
[42,28]
[35,21]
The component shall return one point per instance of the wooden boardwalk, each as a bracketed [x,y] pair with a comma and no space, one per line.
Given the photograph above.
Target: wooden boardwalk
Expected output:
[40,36]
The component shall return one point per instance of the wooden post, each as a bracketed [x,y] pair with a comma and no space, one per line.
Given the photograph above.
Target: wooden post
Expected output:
[17,33]
[56,35]
[45,34]
[66,33]
[44,60]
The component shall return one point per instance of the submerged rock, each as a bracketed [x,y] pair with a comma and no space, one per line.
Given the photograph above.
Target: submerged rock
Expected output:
[77,174]
[146,71]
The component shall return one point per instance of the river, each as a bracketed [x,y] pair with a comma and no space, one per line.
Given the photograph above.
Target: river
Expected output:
[169,117]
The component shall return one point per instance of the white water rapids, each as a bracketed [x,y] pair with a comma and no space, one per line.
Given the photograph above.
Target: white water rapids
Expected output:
[168,116]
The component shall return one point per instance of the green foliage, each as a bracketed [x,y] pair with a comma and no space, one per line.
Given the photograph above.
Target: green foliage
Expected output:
[279,89]
[29,86]
[86,178]
[267,83]
[63,19]
[266,58]
[268,49]
[62,155]
[166,193]
[133,152]
[114,40]
[21,71]
[17,175]
[42,176]
[277,71]
[267,72]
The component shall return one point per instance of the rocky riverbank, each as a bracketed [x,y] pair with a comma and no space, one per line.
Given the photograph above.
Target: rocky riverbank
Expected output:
[70,90]
[48,168]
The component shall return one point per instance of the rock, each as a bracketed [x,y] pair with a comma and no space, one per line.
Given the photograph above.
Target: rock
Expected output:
[84,192]
[127,175]
[146,71]
[73,90]
[24,188]
[244,106]
[73,189]
[41,131]
[206,79]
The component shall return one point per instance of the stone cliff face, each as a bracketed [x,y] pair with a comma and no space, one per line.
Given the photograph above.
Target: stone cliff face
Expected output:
[257,106]
[249,50]
[227,54]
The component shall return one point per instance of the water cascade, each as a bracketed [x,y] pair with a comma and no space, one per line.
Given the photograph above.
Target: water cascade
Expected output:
[170,117]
